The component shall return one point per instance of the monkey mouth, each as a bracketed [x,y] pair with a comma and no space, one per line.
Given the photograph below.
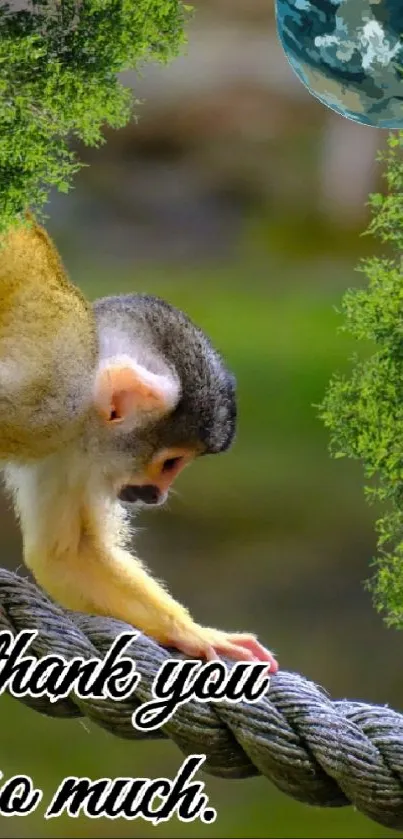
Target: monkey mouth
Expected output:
[148,494]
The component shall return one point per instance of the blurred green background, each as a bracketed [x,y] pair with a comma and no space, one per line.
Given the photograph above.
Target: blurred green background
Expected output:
[241,199]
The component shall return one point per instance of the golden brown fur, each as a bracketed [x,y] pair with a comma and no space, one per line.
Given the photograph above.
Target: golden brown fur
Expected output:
[47,346]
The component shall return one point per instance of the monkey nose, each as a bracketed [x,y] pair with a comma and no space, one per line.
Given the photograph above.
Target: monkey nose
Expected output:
[148,494]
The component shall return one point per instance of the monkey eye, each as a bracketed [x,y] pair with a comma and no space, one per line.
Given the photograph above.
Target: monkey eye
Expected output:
[170,464]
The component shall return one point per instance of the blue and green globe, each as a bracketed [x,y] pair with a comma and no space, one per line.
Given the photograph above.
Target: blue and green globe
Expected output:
[349,54]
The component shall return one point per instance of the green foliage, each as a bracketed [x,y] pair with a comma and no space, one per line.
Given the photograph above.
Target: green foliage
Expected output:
[58,79]
[365,412]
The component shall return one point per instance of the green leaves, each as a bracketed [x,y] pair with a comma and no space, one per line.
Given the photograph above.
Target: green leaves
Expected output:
[364,412]
[58,79]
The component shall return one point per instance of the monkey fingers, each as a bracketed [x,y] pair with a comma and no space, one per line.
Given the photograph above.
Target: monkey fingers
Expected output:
[240,646]
[203,642]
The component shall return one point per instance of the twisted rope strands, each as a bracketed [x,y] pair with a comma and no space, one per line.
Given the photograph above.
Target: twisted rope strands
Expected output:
[319,751]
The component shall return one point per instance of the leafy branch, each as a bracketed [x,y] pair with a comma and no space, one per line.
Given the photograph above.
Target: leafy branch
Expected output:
[59,66]
[365,411]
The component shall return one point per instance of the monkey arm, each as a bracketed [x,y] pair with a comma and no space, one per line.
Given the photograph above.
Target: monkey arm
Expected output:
[110,582]
[73,544]
[114,583]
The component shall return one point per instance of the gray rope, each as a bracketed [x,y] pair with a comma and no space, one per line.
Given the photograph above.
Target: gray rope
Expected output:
[322,752]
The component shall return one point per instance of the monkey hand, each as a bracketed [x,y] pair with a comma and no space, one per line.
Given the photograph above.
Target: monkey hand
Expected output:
[203,642]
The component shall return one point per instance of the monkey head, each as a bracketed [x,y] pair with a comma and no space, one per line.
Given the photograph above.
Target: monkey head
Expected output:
[162,395]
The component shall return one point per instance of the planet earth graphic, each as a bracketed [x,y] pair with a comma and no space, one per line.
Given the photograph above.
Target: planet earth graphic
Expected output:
[349,54]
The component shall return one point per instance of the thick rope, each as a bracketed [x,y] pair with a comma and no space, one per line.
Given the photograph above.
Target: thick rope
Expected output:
[322,752]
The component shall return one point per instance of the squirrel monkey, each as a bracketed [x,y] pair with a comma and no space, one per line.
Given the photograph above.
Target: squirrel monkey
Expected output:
[102,406]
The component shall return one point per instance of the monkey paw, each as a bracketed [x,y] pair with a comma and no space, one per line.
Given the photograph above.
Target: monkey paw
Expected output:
[202,642]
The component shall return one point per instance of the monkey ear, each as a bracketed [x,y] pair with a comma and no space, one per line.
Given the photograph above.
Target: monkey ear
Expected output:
[124,390]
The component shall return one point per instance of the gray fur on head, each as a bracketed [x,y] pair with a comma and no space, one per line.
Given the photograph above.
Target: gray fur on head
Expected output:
[165,341]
